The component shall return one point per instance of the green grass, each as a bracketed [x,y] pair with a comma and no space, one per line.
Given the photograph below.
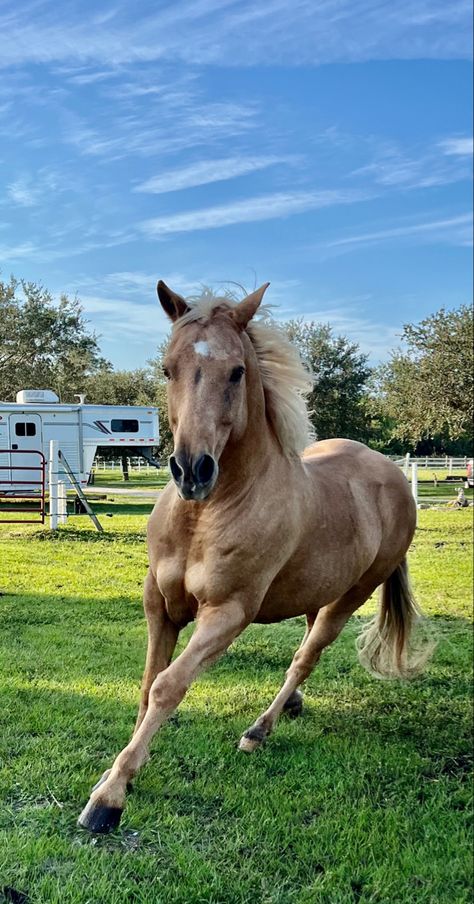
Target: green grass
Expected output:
[158,477]
[366,799]
[440,473]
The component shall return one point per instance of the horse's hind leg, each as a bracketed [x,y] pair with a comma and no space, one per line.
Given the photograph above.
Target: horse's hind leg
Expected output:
[294,705]
[328,624]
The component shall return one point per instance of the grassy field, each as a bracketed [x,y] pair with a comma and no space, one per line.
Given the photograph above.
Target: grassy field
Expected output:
[144,478]
[365,799]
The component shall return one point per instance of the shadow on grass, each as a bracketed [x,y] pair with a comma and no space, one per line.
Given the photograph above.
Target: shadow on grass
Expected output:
[87,535]
[80,736]
[101,648]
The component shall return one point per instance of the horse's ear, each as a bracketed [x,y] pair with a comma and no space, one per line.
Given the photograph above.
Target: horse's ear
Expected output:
[245,310]
[172,303]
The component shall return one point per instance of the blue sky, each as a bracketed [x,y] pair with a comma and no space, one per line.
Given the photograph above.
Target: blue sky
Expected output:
[323,145]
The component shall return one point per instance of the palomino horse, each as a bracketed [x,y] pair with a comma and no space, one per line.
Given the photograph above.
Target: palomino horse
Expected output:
[251,531]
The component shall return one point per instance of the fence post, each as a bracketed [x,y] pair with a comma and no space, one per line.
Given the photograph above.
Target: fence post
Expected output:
[53,483]
[62,502]
[414,481]
[450,465]
[407,464]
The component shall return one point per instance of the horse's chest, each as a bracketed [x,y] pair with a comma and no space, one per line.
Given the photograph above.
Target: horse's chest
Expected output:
[181,605]
[184,585]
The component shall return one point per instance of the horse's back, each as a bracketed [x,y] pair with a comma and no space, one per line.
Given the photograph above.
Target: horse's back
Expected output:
[347,458]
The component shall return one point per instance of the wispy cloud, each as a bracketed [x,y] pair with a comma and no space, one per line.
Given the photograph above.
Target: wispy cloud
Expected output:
[457,147]
[91,77]
[22,251]
[135,284]
[23,193]
[240,32]
[203,172]
[399,168]
[118,320]
[27,191]
[451,230]
[143,322]
[374,338]
[264,207]
[170,126]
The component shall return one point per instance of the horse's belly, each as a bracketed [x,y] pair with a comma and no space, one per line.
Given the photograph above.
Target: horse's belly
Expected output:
[278,609]
[304,589]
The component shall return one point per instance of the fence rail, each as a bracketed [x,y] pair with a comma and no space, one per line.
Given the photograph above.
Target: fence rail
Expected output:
[441,463]
[135,462]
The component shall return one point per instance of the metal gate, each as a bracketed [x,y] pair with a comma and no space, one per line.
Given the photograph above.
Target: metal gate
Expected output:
[19,493]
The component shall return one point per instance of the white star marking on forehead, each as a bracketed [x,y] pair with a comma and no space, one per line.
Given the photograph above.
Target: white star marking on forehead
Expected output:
[203,348]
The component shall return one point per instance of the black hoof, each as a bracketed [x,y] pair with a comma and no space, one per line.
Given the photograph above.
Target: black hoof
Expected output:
[294,705]
[256,733]
[99,818]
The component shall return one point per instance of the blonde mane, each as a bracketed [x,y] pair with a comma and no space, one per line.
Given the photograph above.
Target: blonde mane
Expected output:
[284,378]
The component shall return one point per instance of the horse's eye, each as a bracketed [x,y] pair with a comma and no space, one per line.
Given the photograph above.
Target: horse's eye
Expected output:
[237,374]
[166,373]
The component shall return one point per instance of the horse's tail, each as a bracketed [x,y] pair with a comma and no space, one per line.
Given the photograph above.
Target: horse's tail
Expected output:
[384,644]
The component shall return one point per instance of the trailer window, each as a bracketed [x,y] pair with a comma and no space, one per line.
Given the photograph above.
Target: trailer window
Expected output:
[119,426]
[24,429]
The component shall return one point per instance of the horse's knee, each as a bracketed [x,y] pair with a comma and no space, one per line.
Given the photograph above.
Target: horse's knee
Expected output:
[167,691]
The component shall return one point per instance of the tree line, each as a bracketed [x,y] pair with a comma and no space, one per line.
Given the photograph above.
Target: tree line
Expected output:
[420,400]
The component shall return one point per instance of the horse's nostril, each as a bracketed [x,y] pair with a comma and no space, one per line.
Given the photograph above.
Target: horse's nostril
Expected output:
[175,468]
[204,469]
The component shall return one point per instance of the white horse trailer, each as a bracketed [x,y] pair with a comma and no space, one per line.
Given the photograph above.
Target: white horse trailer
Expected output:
[28,425]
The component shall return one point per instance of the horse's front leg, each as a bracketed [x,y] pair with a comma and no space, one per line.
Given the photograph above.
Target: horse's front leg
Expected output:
[162,637]
[216,628]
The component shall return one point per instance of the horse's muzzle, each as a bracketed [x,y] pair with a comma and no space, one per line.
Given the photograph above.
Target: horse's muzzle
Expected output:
[194,477]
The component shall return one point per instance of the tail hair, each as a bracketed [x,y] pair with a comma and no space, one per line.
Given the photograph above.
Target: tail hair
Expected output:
[385,646]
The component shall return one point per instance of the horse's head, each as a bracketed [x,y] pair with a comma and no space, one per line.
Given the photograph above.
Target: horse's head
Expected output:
[207,395]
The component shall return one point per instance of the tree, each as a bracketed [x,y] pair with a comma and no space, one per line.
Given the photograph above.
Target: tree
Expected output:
[121,387]
[337,401]
[43,344]
[427,390]
[161,400]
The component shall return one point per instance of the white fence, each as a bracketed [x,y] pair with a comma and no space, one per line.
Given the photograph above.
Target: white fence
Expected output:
[411,465]
[135,463]
[444,463]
